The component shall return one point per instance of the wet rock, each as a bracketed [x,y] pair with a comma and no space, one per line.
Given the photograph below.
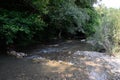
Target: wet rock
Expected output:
[38,59]
[92,42]
[83,40]
[16,54]
[96,46]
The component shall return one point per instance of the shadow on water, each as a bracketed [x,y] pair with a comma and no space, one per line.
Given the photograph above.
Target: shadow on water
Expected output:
[24,69]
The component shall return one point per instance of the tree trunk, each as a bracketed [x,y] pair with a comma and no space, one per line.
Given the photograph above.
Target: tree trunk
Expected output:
[59,35]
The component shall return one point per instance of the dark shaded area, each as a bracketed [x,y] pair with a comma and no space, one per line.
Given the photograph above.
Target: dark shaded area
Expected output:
[3,46]
[17,5]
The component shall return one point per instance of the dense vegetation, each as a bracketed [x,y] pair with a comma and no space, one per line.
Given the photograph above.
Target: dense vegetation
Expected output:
[108,32]
[18,27]
[25,21]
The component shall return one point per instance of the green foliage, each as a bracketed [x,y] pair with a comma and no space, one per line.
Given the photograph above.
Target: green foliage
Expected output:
[19,27]
[61,16]
[108,32]
[89,26]
[41,5]
[85,3]
[70,17]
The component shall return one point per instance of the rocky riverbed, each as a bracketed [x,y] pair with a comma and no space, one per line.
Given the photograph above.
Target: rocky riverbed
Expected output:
[70,60]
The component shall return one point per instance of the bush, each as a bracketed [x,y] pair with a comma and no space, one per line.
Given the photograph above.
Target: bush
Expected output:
[108,32]
[19,27]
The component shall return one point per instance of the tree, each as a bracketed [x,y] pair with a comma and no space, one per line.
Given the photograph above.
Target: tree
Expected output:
[72,16]
[36,19]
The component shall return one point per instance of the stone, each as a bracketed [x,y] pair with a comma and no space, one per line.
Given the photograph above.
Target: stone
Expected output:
[16,54]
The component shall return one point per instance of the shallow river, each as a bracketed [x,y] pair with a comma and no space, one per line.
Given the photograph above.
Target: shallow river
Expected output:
[70,60]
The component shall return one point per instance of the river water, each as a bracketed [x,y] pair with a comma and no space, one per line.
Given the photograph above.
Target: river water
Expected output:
[69,60]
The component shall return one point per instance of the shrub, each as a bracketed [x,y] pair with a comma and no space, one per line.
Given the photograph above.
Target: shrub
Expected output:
[108,32]
[18,27]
